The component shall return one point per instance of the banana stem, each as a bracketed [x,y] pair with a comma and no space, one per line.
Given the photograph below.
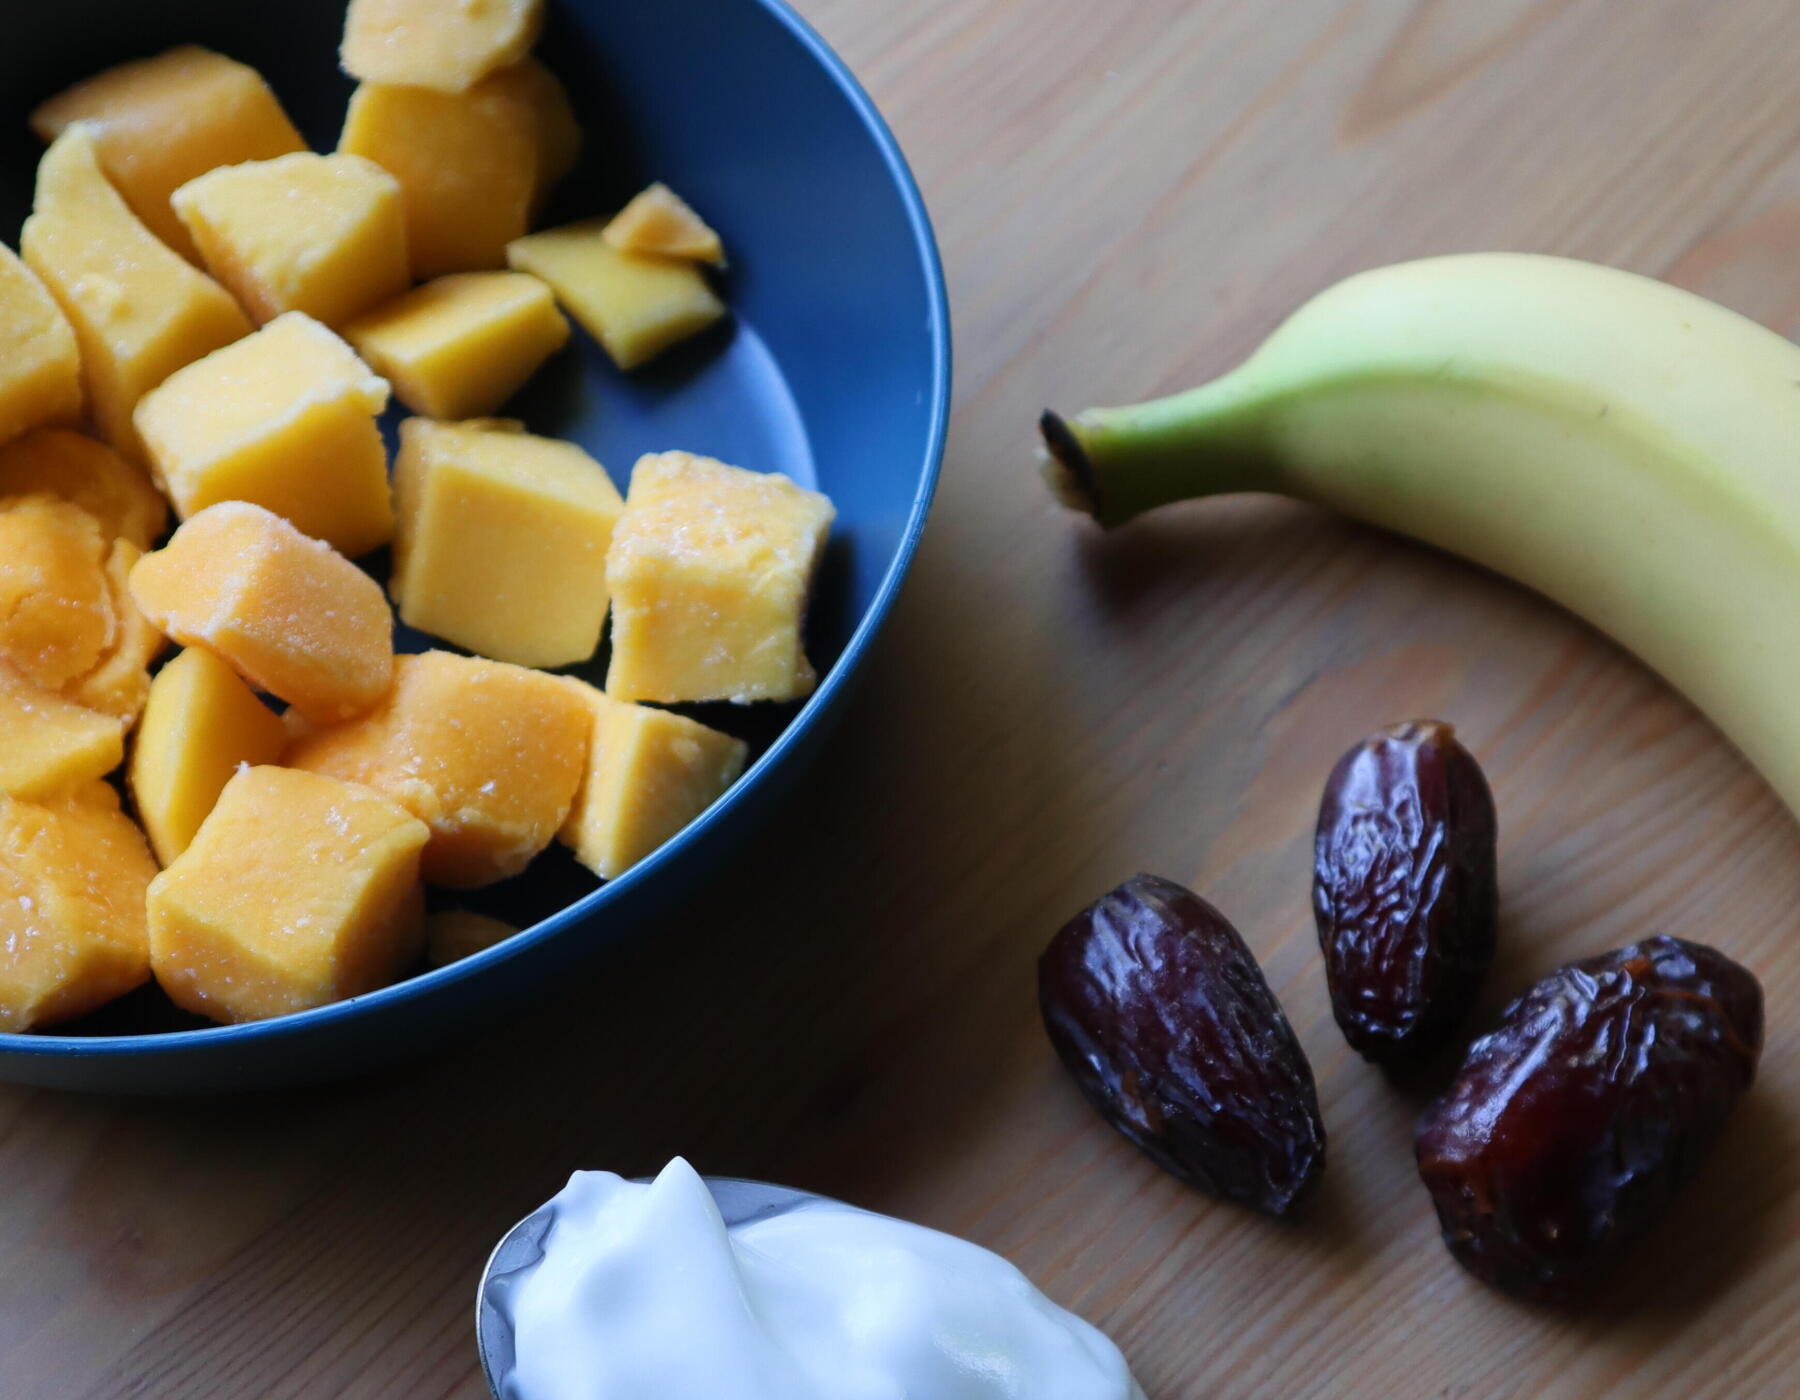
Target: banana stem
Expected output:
[1114,463]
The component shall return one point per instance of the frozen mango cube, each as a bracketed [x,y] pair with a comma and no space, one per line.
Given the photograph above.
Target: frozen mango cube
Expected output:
[119,682]
[56,618]
[485,754]
[48,744]
[502,541]
[649,774]
[297,891]
[73,876]
[69,624]
[158,122]
[471,165]
[710,568]
[289,614]
[635,305]
[437,44]
[559,137]
[455,934]
[139,311]
[285,418]
[202,723]
[117,492]
[321,234]
[461,346]
[660,222]
[40,374]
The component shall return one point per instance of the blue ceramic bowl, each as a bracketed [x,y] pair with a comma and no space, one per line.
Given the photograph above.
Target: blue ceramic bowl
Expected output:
[835,368]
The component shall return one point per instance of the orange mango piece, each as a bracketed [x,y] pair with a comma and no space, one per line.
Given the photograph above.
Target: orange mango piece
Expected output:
[56,619]
[70,625]
[649,774]
[432,44]
[138,310]
[289,614]
[661,222]
[502,540]
[345,253]
[297,891]
[559,135]
[48,744]
[74,871]
[202,723]
[710,569]
[40,374]
[455,934]
[472,165]
[119,683]
[285,418]
[462,345]
[487,755]
[115,491]
[158,122]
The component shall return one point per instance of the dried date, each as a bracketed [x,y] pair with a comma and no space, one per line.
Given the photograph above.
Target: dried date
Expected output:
[1573,1123]
[1167,1023]
[1404,889]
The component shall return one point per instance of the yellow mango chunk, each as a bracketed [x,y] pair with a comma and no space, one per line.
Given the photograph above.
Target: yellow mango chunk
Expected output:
[158,122]
[289,614]
[502,540]
[485,754]
[56,619]
[461,346]
[40,373]
[321,234]
[471,165]
[444,44]
[285,418]
[116,492]
[455,934]
[710,569]
[636,306]
[201,724]
[73,876]
[659,221]
[119,683]
[48,744]
[559,137]
[139,311]
[297,891]
[649,774]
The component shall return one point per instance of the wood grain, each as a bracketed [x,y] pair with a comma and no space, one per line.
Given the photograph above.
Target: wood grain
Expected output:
[1128,197]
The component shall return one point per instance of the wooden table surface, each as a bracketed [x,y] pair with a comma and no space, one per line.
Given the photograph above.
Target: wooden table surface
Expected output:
[1128,195]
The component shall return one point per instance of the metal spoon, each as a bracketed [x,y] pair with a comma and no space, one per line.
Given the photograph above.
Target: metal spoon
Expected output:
[520,1249]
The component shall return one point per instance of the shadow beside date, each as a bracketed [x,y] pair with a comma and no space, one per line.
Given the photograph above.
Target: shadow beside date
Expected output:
[1404,888]
[1165,1020]
[1571,1125]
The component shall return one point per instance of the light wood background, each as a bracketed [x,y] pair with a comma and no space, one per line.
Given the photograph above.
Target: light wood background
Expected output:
[1128,193]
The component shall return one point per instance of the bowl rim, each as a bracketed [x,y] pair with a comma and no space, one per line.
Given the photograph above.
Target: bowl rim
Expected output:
[224,1037]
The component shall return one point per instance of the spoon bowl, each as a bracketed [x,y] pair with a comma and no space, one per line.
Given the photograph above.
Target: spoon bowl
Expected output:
[522,1247]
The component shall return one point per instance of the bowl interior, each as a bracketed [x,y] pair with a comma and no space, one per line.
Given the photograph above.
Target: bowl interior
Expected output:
[833,367]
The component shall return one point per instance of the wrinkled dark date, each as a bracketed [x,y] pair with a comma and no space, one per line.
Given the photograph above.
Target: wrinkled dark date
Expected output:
[1404,888]
[1571,1125]
[1165,1020]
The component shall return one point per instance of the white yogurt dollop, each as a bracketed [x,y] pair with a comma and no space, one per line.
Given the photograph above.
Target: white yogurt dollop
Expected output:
[644,1294]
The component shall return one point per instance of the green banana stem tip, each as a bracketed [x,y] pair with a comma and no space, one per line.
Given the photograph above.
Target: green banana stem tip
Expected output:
[1067,470]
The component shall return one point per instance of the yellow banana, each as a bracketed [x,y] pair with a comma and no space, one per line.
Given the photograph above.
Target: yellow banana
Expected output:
[1626,448]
